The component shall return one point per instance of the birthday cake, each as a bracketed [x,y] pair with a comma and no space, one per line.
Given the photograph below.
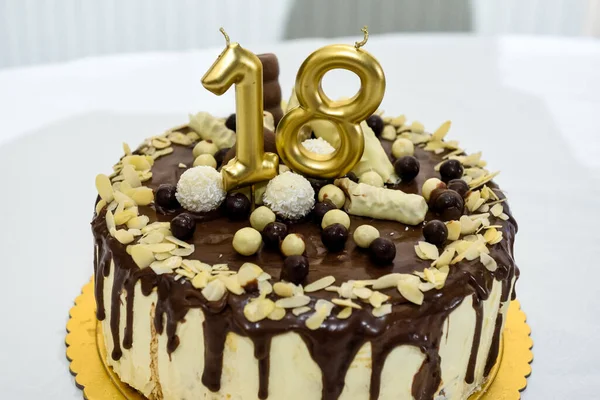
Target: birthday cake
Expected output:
[390,280]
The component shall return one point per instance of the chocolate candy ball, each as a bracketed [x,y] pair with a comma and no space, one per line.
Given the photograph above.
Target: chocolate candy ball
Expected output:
[230,122]
[274,233]
[165,197]
[435,232]
[183,226]
[295,269]
[407,168]
[376,123]
[237,206]
[334,237]
[449,205]
[382,251]
[459,186]
[220,156]
[321,209]
[451,169]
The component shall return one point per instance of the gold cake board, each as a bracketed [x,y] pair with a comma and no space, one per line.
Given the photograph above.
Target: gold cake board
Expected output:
[87,354]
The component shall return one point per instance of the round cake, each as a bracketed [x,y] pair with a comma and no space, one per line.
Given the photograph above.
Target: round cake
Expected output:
[391,282]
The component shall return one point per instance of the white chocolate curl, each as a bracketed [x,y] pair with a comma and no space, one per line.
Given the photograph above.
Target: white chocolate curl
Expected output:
[374,157]
[213,129]
[382,203]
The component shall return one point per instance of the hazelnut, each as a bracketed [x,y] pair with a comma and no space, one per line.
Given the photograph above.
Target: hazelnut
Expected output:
[261,217]
[371,178]
[205,159]
[205,147]
[293,245]
[247,241]
[430,185]
[332,193]
[403,147]
[364,235]
[335,217]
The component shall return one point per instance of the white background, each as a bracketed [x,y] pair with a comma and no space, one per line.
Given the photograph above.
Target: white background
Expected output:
[531,105]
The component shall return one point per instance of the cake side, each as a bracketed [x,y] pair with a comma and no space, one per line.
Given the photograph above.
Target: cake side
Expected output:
[168,341]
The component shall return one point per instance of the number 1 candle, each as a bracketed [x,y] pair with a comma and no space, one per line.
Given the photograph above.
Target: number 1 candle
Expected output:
[240,67]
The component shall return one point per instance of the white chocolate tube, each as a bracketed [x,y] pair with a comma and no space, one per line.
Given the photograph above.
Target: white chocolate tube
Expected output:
[374,157]
[382,203]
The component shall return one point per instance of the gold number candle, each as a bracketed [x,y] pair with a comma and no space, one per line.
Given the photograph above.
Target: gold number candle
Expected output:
[345,115]
[241,67]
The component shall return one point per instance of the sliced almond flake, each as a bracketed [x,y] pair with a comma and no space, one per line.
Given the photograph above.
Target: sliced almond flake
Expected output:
[139,162]
[185,273]
[468,225]
[398,121]
[410,291]
[121,217]
[162,152]
[467,179]
[434,145]
[178,242]
[319,284]
[445,258]
[491,203]
[162,256]
[300,310]
[160,247]
[224,273]
[497,210]
[123,236]
[454,228]
[293,302]
[161,267]
[183,252]
[196,266]
[104,187]
[177,277]
[472,251]
[427,251]
[153,237]
[277,314]
[141,256]
[429,275]
[442,131]
[121,197]
[504,217]
[265,288]
[474,172]
[215,290]
[382,311]
[451,144]
[325,305]
[345,313]
[378,298]
[179,138]
[451,154]
[135,232]
[145,175]
[426,286]
[364,283]
[332,288]
[258,309]
[346,303]
[441,276]
[315,320]
[473,200]
[161,142]
[387,281]
[263,277]
[232,284]
[484,179]
[131,176]
[110,220]
[417,127]
[126,149]
[493,236]
[362,292]
[182,165]
[248,272]
[283,289]
[220,267]
[488,262]
[142,195]
[483,208]
[100,205]
[200,280]
[346,290]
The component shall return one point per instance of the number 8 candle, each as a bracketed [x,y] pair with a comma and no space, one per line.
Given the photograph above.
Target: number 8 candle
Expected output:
[345,115]
[241,67]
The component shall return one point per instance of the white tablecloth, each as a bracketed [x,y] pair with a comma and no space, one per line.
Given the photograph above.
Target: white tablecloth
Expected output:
[530,104]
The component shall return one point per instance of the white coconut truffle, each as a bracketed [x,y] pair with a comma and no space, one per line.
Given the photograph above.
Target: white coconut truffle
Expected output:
[289,195]
[200,189]
[318,145]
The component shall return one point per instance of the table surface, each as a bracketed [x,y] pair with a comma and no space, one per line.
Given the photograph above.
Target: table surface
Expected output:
[529,104]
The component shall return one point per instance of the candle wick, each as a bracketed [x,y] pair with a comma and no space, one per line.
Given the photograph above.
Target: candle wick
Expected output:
[226,35]
[365,31]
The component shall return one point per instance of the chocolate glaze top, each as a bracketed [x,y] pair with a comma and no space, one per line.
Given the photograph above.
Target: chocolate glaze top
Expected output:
[334,345]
